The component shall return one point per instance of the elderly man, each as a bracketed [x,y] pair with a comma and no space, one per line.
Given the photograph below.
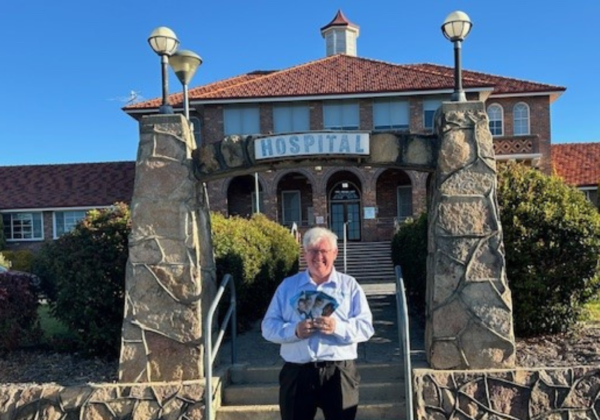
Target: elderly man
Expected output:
[320,353]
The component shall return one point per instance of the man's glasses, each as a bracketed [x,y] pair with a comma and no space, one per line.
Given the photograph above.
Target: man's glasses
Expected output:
[315,252]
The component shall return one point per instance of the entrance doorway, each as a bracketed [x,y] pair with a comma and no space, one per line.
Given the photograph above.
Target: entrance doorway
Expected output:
[344,200]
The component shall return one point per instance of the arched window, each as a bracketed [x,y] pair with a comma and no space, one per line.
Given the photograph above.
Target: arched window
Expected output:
[496,117]
[521,119]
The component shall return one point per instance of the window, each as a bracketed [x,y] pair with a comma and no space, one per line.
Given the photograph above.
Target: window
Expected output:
[592,195]
[390,114]
[430,106]
[521,119]
[291,210]
[23,226]
[404,197]
[65,221]
[290,118]
[197,127]
[340,115]
[495,115]
[241,120]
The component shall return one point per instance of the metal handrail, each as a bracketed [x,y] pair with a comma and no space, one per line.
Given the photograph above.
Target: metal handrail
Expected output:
[211,352]
[404,336]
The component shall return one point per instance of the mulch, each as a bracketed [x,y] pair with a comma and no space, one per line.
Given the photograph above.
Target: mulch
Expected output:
[34,366]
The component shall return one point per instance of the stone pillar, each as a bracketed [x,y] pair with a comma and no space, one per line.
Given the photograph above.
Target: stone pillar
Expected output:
[469,307]
[170,237]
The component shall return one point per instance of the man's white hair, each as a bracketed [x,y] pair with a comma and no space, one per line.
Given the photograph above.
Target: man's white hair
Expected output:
[317,234]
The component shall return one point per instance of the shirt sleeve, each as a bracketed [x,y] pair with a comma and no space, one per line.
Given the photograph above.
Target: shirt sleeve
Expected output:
[359,325]
[274,326]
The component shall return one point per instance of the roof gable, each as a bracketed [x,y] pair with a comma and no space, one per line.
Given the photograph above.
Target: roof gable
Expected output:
[348,75]
[67,185]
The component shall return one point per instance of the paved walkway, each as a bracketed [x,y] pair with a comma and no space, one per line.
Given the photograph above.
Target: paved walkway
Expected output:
[383,346]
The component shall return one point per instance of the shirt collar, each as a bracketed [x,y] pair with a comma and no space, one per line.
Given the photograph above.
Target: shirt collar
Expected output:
[333,277]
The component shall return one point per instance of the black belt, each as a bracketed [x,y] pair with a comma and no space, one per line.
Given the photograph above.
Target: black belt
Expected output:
[324,364]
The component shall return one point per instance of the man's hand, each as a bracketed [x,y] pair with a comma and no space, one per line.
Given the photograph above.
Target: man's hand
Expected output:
[325,324]
[305,329]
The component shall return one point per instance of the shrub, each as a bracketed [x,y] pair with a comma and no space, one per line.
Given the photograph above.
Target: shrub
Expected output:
[19,322]
[282,259]
[5,262]
[258,253]
[83,276]
[20,260]
[552,241]
[409,251]
[241,250]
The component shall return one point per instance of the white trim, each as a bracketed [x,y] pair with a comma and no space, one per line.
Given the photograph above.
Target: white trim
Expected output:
[43,209]
[519,156]
[592,188]
[513,95]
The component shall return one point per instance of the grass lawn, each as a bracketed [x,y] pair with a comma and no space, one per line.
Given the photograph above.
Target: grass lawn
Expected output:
[51,327]
[593,309]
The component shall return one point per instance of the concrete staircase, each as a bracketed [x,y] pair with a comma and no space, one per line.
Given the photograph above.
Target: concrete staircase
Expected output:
[253,393]
[368,262]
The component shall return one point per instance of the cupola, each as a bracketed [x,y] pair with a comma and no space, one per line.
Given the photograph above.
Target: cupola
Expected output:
[340,36]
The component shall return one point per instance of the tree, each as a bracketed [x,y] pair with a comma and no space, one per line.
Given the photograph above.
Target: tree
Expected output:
[552,243]
[83,276]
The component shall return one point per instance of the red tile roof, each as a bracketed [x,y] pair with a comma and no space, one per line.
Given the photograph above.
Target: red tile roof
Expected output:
[347,75]
[68,185]
[577,163]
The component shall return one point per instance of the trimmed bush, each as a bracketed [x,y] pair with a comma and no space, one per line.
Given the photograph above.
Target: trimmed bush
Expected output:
[409,251]
[282,259]
[83,276]
[19,322]
[5,262]
[20,260]
[258,253]
[552,241]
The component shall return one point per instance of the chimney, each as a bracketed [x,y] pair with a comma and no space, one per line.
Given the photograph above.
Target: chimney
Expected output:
[340,36]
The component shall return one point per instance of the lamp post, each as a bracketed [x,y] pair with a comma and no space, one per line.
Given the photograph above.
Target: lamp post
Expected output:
[185,63]
[164,42]
[456,27]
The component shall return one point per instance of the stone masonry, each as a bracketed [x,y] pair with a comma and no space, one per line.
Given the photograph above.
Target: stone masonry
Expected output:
[469,307]
[170,273]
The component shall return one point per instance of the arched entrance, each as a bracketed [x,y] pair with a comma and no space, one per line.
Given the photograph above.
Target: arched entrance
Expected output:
[345,205]
[241,196]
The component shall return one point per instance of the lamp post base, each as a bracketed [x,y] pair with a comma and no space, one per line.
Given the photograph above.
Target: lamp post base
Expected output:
[165,109]
[458,97]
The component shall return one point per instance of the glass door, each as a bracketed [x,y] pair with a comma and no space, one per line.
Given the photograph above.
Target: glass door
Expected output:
[345,209]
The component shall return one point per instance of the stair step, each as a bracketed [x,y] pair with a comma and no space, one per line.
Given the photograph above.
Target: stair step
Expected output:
[382,411]
[369,372]
[264,394]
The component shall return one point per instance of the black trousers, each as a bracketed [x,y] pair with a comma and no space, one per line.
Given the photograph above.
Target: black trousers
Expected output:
[330,386]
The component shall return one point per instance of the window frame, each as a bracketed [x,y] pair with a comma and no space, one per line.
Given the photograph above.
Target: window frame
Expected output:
[244,116]
[299,117]
[10,228]
[386,106]
[399,216]
[346,110]
[427,107]
[500,110]
[55,229]
[520,120]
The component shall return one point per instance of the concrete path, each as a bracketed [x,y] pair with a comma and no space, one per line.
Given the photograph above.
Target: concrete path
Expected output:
[383,346]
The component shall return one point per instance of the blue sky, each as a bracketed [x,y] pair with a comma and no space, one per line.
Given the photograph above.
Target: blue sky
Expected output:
[71,64]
